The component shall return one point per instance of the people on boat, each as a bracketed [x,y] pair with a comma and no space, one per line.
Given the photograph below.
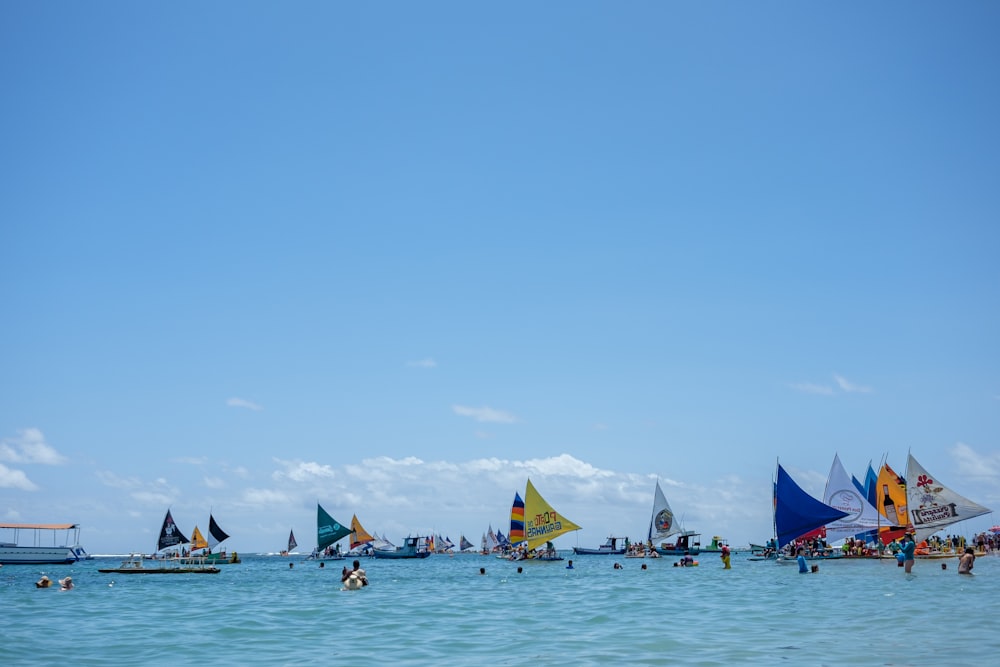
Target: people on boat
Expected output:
[44,582]
[966,562]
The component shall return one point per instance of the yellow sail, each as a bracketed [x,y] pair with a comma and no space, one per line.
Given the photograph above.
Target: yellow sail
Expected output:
[359,535]
[198,541]
[891,496]
[541,522]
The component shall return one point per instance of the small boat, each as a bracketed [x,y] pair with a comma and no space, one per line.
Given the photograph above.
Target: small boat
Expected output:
[610,548]
[137,564]
[328,531]
[534,522]
[361,541]
[796,513]
[687,543]
[413,547]
[36,553]
[662,525]
[215,537]
[715,546]
[291,543]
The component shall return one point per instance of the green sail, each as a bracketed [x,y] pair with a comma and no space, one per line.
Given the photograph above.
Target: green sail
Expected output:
[328,529]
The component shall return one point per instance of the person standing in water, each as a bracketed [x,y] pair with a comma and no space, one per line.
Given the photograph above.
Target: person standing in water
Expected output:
[967,560]
[725,557]
[908,549]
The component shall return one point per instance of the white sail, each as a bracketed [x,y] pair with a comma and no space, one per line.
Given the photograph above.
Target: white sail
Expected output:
[932,505]
[662,523]
[841,494]
[491,540]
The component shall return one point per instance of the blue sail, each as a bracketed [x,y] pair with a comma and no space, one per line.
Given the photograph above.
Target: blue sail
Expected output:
[796,512]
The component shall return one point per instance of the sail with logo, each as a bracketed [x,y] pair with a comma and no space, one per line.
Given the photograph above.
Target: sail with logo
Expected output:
[541,525]
[328,531]
[933,506]
[170,534]
[842,494]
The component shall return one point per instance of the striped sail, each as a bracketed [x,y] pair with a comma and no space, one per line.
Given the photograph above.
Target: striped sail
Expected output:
[517,521]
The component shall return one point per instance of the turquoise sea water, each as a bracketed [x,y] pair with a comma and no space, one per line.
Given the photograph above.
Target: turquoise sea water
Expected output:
[440,610]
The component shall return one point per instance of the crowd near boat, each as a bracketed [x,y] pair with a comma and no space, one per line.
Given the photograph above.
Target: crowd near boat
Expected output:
[870,519]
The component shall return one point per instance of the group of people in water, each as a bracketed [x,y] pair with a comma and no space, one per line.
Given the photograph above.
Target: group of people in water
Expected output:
[65,584]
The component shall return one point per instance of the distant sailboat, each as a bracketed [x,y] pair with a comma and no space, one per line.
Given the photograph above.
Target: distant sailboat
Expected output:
[360,539]
[464,544]
[291,543]
[933,506]
[541,525]
[198,541]
[796,512]
[842,494]
[215,537]
[170,534]
[663,524]
[328,531]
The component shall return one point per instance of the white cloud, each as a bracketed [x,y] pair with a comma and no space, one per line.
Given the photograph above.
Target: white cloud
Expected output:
[154,498]
[15,479]
[108,478]
[29,447]
[302,471]
[971,463]
[810,388]
[422,363]
[240,471]
[243,403]
[842,383]
[849,387]
[214,482]
[191,460]
[265,497]
[485,414]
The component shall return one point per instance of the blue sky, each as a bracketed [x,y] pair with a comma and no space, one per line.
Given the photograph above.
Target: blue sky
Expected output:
[398,258]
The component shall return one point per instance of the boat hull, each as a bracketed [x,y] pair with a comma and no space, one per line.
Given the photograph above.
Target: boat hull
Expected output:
[162,570]
[138,565]
[396,555]
[582,551]
[11,554]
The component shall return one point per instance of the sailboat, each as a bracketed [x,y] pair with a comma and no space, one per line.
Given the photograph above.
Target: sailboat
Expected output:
[170,535]
[662,525]
[932,505]
[328,531]
[540,524]
[198,540]
[842,494]
[173,563]
[464,544]
[215,537]
[361,541]
[291,543]
[890,499]
[796,512]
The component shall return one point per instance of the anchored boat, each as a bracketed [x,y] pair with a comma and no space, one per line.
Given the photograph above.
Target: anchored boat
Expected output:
[39,552]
